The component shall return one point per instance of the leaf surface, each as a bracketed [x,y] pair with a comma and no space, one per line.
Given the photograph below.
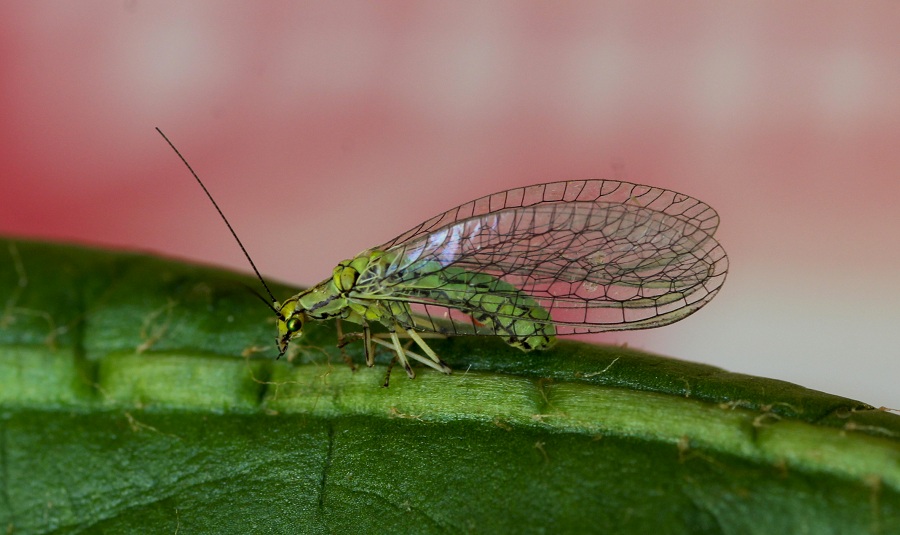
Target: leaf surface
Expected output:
[138,392]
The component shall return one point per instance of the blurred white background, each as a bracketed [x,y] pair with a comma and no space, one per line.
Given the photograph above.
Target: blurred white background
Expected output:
[326,128]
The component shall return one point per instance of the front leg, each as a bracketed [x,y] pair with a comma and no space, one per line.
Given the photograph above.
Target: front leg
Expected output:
[366,335]
[344,340]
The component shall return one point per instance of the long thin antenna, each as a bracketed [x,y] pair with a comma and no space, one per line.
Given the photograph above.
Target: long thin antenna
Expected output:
[225,219]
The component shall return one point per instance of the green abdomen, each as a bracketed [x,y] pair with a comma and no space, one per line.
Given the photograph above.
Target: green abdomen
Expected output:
[504,309]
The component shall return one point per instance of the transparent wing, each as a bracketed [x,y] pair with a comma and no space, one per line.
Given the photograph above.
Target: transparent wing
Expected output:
[597,255]
[607,191]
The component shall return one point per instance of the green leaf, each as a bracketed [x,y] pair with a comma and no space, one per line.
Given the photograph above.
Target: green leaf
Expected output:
[141,394]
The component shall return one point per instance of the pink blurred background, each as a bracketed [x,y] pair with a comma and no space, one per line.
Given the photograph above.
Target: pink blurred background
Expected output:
[327,128]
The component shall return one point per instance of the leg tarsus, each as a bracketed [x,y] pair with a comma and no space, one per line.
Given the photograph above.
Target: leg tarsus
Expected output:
[342,341]
[369,349]
[401,355]
[387,375]
[349,361]
[441,365]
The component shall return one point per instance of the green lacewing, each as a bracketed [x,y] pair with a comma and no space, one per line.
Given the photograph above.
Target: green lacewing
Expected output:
[526,264]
